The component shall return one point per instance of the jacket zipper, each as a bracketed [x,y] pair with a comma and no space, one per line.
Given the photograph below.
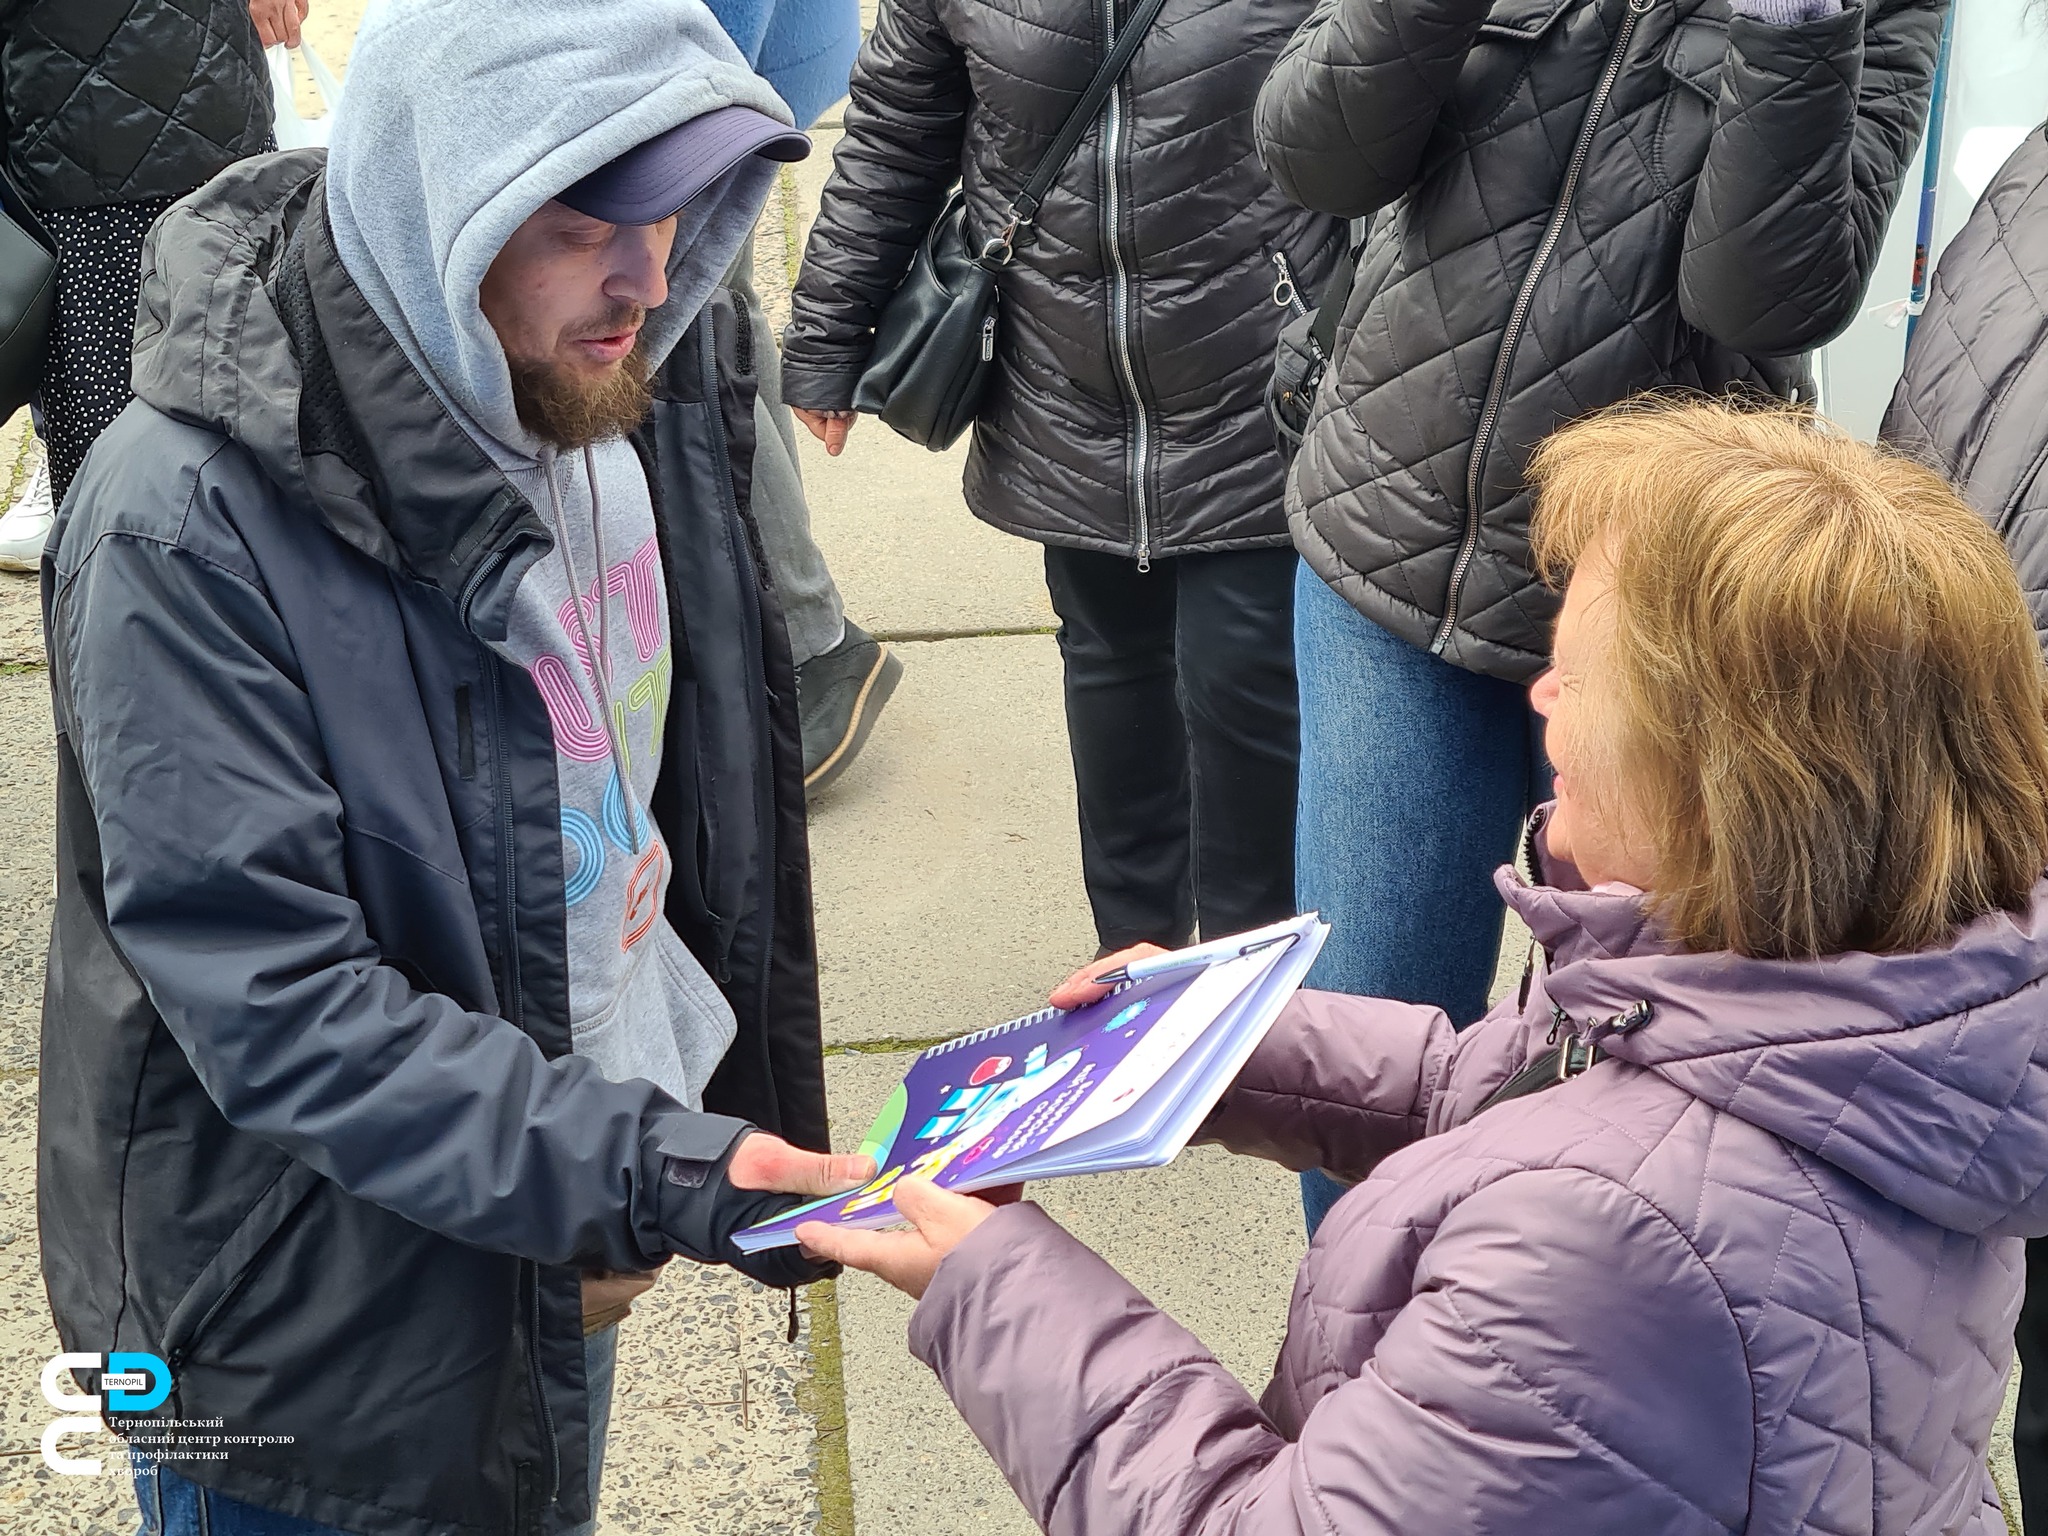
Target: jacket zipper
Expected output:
[1286,291]
[743,557]
[1518,317]
[508,877]
[540,1392]
[1120,302]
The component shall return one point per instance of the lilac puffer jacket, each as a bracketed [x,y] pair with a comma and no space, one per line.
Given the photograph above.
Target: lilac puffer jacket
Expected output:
[1757,1272]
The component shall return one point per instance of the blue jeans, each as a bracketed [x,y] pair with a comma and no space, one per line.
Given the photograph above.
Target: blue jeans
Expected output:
[173,1505]
[1416,778]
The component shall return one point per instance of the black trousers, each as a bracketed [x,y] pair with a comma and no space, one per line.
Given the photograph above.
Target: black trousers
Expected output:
[1185,729]
[2030,1422]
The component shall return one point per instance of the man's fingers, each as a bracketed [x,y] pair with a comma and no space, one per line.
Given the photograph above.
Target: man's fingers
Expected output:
[840,1173]
[763,1161]
[835,436]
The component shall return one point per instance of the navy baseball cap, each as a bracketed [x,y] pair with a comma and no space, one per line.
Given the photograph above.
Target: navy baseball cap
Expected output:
[653,180]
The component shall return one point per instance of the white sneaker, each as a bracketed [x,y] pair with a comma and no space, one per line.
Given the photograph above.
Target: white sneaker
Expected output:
[25,528]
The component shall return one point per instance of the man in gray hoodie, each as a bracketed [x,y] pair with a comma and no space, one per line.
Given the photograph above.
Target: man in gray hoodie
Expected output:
[432,957]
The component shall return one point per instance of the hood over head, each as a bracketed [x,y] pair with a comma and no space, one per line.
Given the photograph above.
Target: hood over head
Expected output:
[1924,1075]
[462,117]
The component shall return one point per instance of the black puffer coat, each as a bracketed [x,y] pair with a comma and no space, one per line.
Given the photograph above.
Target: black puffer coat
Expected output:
[1575,200]
[1138,318]
[118,101]
[1974,399]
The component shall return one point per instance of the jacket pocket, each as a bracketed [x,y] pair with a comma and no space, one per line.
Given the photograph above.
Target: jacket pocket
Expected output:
[238,1260]
[1685,122]
[1498,61]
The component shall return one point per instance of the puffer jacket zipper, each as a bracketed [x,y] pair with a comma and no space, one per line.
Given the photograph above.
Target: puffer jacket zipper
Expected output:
[1286,291]
[1120,325]
[1518,317]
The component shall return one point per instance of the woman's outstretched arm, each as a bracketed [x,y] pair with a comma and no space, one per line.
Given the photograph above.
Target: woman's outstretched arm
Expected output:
[1533,1382]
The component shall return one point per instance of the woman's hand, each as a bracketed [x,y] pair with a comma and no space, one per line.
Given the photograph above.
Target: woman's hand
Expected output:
[277,21]
[828,427]
[907,1260]
[1081,989]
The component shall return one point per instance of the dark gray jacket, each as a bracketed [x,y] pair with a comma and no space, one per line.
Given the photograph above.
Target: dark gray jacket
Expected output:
[1573,200]
[309,1127]
[1137,321]
[1974,399]
[118,101]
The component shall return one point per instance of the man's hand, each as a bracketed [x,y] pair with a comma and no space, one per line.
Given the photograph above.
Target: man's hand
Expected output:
[762,1161]
[277,21]
[828,427]
[1081,989]
[608,1294]
[907,1260]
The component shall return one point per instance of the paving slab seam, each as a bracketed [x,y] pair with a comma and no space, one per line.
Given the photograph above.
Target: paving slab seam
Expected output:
[888,1045]
[822,1395]
[921,636]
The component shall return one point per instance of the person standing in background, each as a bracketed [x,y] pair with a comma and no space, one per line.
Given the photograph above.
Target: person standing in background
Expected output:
[804,49]
[1124,424]
[1572,201]
[110,110]
[1974,402]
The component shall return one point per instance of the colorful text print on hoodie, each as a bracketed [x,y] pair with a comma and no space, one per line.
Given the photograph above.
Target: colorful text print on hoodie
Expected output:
[423,190]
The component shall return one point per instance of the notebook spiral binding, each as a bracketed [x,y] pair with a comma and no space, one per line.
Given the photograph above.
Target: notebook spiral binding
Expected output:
[1026,1022]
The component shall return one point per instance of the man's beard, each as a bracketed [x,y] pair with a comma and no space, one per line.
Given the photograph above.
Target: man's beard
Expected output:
[566,411]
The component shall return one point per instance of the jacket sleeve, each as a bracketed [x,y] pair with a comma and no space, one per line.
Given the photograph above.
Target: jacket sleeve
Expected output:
[227,893]
[1343,118]
[906,120]
[1567,1362]
[1338,1083]
[1817,125]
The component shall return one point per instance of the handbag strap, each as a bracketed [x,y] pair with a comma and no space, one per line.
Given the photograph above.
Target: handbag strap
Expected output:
[997,251]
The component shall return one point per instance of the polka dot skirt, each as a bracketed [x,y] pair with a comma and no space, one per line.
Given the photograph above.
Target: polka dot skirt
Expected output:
[99,278]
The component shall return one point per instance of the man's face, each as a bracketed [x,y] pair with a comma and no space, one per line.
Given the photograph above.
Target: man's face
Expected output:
[567,296]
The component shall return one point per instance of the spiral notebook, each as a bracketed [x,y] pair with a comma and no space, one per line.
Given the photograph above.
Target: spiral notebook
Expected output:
[1122,1083]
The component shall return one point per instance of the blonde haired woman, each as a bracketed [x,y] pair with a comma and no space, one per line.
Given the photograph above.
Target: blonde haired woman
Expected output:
[1716,1226]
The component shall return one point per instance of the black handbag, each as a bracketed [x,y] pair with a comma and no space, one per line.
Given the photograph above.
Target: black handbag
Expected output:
[1302,353]
[936,338]
[28,291]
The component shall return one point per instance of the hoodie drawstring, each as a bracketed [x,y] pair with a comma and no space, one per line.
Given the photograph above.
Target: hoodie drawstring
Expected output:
[600,659]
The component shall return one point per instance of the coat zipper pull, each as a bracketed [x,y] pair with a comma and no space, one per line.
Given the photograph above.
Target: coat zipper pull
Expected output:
[1283,285]
[988,339]
[1144,558]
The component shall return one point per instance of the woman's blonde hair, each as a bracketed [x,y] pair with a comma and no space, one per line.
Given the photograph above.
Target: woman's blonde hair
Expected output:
[1830,703]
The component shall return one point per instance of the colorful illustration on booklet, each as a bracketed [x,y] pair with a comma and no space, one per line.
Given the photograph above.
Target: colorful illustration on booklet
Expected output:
[970,1106]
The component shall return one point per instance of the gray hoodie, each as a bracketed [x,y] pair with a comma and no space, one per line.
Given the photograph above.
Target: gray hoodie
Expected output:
[418,241]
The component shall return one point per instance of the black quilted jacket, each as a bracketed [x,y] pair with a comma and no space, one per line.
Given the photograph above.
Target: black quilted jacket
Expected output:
[117,101]
[1138,318]
[1574,200]
[1974,399]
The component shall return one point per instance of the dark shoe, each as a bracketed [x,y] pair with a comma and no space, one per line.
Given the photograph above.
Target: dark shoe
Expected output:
[838,696]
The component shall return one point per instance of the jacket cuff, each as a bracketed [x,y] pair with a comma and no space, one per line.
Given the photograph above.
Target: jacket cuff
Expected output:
[820,388]
[1785,13]
[700,1209]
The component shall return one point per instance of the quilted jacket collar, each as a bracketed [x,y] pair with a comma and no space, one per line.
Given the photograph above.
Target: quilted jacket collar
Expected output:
[1924,1075]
